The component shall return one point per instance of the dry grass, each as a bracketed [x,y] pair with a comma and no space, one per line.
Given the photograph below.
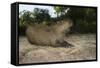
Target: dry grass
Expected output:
[84,49]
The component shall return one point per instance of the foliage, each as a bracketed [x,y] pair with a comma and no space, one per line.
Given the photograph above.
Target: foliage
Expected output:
[84,18]
[41,15]
[60,11]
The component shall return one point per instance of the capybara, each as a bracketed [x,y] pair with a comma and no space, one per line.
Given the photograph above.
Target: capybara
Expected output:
[53,35]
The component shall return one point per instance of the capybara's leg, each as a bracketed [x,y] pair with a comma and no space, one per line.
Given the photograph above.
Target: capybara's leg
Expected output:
[63,43]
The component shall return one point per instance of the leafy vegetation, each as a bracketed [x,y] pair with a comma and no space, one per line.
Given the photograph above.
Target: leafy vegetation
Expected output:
[84,19]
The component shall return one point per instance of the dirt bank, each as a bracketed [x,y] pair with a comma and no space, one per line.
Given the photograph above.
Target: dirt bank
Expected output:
[84,49]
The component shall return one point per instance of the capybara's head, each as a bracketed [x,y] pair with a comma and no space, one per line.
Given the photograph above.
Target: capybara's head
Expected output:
[63,26]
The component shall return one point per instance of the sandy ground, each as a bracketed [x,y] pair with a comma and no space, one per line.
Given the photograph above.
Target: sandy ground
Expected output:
[84,49]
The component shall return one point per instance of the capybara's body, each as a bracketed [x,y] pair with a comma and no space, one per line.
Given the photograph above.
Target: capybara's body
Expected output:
[47,35]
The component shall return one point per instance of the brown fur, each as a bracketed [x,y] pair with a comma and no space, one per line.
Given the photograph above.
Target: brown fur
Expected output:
[47,35]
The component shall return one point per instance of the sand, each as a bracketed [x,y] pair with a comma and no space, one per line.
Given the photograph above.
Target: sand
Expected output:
[84,48]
